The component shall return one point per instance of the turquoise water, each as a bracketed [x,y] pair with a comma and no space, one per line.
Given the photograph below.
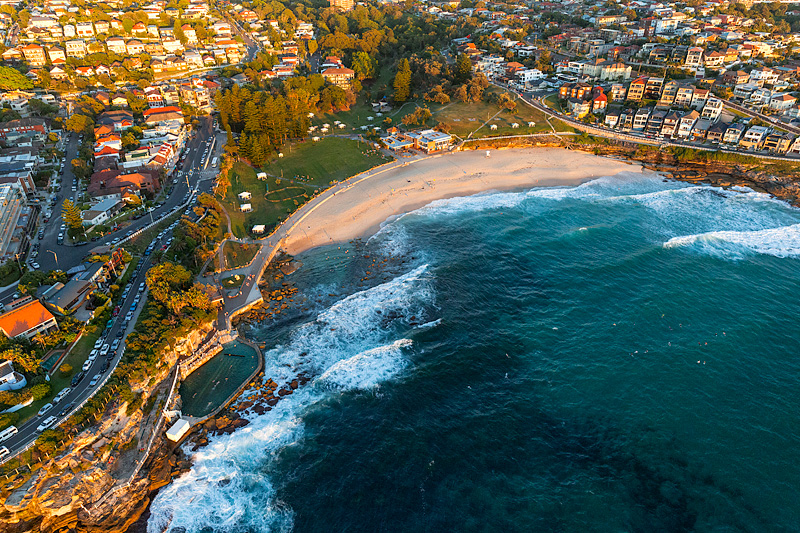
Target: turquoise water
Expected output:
[212,384]
[619,356]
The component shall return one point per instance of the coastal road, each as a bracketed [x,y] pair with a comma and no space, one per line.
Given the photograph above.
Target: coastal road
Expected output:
[120,328]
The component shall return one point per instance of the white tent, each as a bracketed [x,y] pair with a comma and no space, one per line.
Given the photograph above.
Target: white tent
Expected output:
[259,229]
[245,195]
[245,208]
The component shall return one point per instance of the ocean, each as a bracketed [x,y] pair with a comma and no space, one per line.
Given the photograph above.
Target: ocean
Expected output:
[617,356]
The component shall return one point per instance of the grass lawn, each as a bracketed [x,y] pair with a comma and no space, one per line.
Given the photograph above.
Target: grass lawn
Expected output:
[238,254]
[306,168]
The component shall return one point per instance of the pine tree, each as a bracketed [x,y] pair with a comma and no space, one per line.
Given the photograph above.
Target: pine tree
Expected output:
[72,215]
[402,82]
[463,69]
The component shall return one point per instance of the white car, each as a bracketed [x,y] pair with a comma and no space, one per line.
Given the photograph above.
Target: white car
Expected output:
[95,380]
[104,349]
[35,266]
[46,407]
[47,424]
[98,344]
[61,395]
[86,365]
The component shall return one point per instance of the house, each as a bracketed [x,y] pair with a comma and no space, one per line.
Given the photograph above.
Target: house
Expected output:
[640,118]
[134,47]
[713,109]
[27,320]
[56,54]
[655,122]
[101,212]
[339,76]
[778,142]
[32,127]
[429,140]
[733,134]
[612,117]
[754,137]
[700,129]
[694,57]
[636,89]
[686,124]
[116,45]
[713,59]
[84,29]
[683,96]
[716,132]
[34,54]
[75,48]
[69,296]
[782,102]
[119,120]
[669,127]
[9,379]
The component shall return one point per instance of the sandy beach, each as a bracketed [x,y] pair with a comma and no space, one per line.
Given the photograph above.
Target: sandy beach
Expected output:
[357,207]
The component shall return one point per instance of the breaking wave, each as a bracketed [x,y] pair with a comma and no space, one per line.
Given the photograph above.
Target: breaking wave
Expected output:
[349,347]
[777,242]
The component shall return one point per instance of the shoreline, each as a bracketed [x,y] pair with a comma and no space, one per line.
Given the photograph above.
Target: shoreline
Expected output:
[363,205]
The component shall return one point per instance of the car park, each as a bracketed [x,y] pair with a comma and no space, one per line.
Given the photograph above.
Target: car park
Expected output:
[47,424]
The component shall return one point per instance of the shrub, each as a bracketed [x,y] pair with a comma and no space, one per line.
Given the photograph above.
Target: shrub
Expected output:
[40,391]
[65,369]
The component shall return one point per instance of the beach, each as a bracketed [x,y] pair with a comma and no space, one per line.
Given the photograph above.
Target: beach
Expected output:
[357,207]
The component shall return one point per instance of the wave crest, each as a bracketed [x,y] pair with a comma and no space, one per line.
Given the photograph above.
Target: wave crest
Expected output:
[777,242]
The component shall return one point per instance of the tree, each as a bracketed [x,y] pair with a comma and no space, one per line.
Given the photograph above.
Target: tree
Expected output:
[178,32]
[24,360]
[80,123]
[72,215]
[402,82]
[137,104]
[66,370]
[463,69]
[11,79]
[364,65]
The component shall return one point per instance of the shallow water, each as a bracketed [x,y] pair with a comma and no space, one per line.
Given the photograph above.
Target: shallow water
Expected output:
[618,356]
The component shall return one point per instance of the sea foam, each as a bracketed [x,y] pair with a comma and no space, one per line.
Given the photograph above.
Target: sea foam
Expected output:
[349,347]
[778,242]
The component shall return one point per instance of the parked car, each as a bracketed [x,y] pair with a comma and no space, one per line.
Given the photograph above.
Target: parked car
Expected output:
[95,380]
[86,365]
[47,424]
[45,408]
[67,408]
[78,377]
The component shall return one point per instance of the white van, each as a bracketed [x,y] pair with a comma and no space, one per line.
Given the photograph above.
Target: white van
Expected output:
[8,433]
[47,424]
[3,452]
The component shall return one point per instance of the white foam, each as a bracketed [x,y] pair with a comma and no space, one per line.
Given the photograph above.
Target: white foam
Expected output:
[778,242]
[366,369]
[348,347]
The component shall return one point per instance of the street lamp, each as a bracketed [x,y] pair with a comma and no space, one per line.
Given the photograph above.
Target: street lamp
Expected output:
[54,255]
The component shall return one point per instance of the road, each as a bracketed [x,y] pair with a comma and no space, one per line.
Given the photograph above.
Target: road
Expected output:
[194,179]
